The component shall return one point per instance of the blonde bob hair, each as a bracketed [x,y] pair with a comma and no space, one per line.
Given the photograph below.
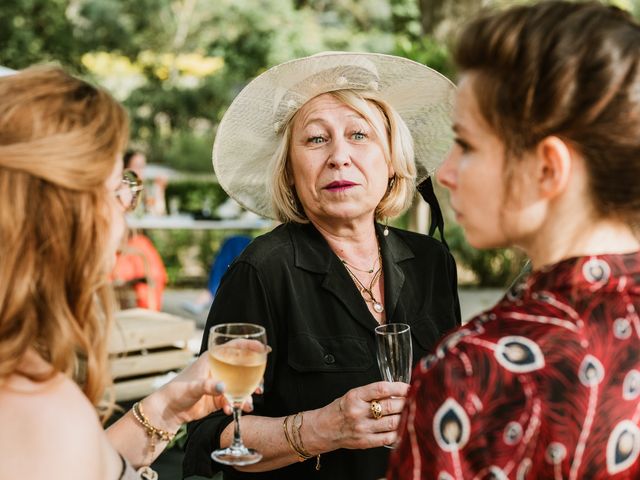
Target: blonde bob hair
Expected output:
[60,139]
[399,154]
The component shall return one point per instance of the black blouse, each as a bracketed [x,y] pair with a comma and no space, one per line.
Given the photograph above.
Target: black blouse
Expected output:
[322,333]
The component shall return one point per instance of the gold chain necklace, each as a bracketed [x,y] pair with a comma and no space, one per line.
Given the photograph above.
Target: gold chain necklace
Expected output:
[378,259]
[377,306]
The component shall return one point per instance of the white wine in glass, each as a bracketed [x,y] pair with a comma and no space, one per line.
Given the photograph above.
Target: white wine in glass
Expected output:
[238,358]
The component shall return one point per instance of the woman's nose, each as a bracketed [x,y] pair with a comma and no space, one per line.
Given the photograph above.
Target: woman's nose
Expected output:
[340,154]
[446,174]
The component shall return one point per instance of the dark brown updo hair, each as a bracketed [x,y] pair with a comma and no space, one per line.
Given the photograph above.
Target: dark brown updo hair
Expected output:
[565,69]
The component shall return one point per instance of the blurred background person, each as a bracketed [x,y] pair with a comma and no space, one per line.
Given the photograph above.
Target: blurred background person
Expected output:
[135,160]
[139,266]
[154,201]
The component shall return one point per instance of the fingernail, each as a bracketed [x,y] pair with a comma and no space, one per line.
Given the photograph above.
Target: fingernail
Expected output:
[219,387]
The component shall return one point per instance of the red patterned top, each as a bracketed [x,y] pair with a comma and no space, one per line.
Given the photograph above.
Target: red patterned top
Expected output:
[546,385]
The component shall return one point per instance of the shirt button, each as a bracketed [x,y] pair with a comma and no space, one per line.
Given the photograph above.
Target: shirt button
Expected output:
[329,359]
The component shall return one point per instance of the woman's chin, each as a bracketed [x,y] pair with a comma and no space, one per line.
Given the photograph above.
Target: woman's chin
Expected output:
[481,241]
[345,215]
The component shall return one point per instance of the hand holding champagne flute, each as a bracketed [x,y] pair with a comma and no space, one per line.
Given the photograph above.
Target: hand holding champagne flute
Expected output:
[238,357]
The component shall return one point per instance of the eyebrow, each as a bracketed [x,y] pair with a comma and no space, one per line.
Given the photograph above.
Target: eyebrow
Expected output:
[459,129]
[312,120]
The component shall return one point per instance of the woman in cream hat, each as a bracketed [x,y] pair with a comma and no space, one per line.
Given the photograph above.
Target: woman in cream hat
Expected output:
[330,145]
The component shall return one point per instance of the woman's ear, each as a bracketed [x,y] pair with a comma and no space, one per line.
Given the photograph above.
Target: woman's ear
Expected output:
[555,159]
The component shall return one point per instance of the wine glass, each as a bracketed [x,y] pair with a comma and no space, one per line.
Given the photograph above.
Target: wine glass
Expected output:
[394,352]
[238,357]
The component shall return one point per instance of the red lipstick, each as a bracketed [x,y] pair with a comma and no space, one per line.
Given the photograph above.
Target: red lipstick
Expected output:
[339,185]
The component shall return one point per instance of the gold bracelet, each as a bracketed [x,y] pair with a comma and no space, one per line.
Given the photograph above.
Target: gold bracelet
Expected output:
[301,444]
[296,431]
[297,444]
[301,458]
[152,432]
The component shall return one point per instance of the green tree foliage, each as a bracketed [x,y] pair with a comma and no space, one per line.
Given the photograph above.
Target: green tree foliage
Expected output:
[37,31]
[124,26]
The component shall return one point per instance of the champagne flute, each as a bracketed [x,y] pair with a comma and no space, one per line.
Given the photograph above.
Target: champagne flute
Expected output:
[238,357]
[394,353]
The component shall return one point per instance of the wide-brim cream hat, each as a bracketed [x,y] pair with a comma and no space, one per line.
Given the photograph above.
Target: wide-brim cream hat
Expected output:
[252,127]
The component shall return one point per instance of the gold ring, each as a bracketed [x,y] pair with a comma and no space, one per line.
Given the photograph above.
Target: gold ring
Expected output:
[376,409]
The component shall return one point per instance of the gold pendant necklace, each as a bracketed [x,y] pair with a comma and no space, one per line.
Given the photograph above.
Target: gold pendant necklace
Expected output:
[377,306]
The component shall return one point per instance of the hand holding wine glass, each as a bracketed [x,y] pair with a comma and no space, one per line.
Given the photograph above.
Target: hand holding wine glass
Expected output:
[238,357]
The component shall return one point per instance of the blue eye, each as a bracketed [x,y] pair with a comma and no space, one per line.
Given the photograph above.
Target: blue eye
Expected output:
[359,135]
[316,139]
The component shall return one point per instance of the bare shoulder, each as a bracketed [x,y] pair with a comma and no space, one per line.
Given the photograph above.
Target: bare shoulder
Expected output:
[51,430]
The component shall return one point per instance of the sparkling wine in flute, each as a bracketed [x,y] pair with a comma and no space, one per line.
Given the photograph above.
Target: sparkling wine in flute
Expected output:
[238,357]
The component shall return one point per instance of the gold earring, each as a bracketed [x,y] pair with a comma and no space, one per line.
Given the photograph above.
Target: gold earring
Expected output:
[385,232]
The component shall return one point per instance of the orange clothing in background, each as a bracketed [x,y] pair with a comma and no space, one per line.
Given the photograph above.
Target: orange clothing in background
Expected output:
[139,260]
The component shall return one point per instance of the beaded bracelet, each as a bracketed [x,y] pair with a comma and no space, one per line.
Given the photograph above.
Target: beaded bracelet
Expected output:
[152,432]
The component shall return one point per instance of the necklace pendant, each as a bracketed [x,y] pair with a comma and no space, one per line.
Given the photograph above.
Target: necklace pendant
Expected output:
[377,306]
